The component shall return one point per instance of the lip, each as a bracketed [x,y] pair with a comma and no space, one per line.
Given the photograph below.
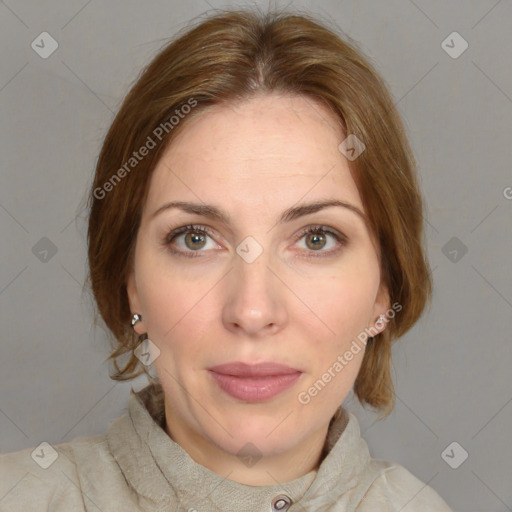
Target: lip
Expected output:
[254,383]
[264,369]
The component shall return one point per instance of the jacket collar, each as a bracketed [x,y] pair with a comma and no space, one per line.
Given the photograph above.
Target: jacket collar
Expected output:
[162,473]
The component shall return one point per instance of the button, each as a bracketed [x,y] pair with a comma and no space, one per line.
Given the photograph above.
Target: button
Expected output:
[281,503]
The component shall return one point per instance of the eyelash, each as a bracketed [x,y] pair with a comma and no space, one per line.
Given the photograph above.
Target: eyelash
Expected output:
[318,229]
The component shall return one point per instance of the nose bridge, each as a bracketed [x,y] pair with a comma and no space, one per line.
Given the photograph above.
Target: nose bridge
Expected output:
[254,302]
[251,264]
[253,276]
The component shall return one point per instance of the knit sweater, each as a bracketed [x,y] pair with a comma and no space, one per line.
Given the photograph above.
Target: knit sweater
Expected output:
[136,466]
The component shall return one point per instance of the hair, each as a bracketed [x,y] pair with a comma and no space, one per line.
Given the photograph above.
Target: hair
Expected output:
[233,56]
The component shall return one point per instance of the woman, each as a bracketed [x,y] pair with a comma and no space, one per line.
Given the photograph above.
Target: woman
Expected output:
[255,235]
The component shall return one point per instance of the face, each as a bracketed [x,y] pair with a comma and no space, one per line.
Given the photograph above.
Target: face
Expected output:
[245,273]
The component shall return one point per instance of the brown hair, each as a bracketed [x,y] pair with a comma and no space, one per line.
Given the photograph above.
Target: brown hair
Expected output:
[231,56]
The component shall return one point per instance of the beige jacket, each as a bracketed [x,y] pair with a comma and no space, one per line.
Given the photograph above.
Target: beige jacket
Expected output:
[136,466]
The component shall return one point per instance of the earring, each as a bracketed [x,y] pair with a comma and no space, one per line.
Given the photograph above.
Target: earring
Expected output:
[136,318]
[380,320]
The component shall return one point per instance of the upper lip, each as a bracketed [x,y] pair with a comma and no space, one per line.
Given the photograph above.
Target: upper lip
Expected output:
[239,369]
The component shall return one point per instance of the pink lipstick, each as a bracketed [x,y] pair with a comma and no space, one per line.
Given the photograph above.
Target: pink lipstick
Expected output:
[254,383]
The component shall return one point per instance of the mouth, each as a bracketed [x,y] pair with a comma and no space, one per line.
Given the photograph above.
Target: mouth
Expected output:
[254,383]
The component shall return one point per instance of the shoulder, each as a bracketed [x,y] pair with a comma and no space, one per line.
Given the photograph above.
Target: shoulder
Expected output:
[47,477]
[396,489]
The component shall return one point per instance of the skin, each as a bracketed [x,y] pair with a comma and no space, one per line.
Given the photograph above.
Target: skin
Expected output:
[254,159]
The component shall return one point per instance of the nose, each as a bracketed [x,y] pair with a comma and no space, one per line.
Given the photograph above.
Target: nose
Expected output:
[255,303]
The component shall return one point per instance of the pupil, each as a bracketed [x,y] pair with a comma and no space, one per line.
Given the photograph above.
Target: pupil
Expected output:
[316,240]
[196,239]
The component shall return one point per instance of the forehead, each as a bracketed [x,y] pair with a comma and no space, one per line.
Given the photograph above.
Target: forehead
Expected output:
[266,152]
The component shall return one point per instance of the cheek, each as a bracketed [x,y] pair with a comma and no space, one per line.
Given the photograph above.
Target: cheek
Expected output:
[179,311]
[343,301]
[178,323]
[165,292]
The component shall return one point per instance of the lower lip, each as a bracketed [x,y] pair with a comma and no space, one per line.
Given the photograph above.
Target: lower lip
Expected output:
[255,389]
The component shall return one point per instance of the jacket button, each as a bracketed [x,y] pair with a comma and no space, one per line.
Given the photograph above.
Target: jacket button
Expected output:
[281,503]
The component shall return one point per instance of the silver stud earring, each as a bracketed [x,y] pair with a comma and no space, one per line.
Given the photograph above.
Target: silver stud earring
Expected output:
[380,320]
[136,318]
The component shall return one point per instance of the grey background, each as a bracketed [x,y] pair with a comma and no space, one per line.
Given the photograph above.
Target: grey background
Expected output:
[452,371]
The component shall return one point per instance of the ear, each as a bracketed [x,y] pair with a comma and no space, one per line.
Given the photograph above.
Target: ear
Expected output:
[134,301]
[380,307]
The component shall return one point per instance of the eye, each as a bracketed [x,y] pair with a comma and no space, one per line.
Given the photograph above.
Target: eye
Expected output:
[321,239]
[190,240]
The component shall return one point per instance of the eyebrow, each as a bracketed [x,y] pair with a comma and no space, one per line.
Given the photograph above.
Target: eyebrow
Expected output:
[288,215]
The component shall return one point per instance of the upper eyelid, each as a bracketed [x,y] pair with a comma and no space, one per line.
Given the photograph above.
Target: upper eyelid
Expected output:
[201,227]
